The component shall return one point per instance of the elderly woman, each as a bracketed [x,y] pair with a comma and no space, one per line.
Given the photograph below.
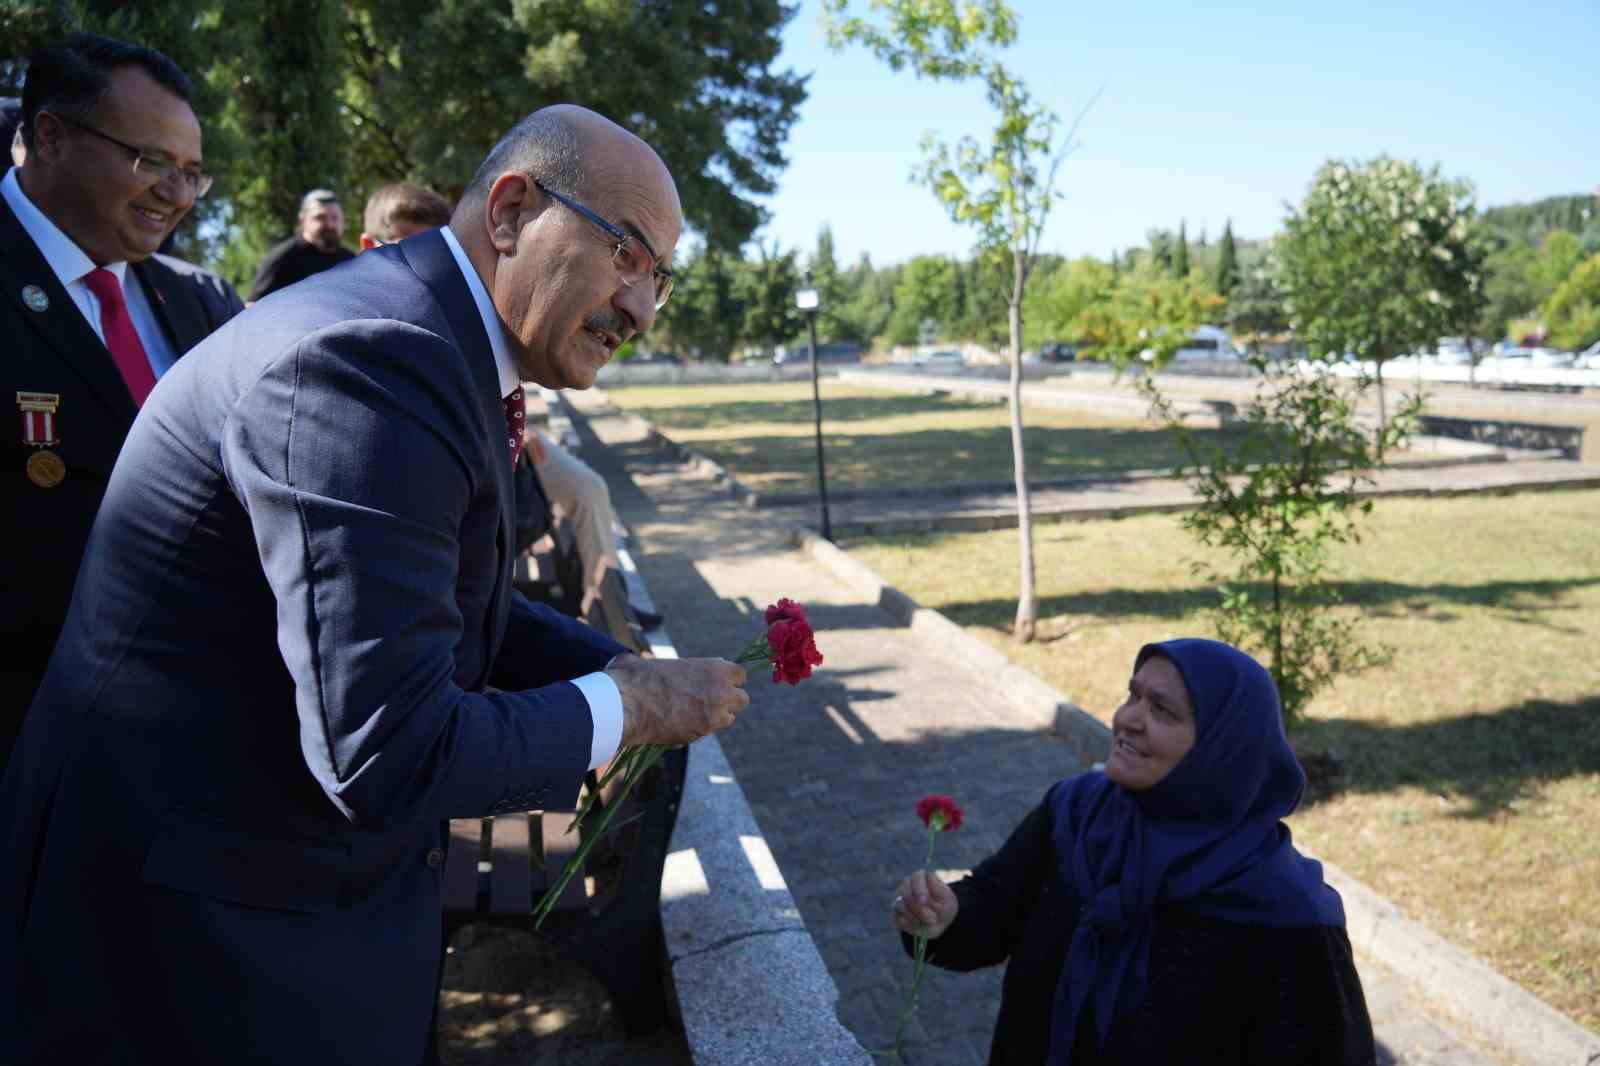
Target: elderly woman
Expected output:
[1157,913]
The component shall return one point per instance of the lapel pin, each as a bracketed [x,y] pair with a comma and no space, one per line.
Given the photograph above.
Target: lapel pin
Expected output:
[35,298]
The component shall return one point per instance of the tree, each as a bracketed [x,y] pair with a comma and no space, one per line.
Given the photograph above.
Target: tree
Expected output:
[1180,257]
[869,304]
[1144,315]
[925,292]
[770,315]
[1256,310]
[1509,289]
[1276,502]
[1227,263]
[832,313]
[706,314]
[1055,303]
[295,94]
[1381,259]
[1572,313]
[1003,190]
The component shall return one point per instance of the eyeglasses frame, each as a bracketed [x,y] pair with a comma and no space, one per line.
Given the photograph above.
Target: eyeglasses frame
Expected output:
[621,236]
[200,185]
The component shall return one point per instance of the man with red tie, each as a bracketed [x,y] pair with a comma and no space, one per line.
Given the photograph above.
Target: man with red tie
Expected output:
[91,316]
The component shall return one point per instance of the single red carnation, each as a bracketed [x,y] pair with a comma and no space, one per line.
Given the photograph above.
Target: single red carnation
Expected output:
[945,807]
[786,610]
[792,649]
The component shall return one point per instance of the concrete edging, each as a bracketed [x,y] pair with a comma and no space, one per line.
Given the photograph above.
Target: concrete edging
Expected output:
[1494,1008]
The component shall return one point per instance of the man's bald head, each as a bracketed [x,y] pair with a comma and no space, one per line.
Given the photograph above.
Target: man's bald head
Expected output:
[560,204]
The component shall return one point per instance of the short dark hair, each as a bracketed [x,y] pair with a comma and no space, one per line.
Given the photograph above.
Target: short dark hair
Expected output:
[402,201]
[71,76]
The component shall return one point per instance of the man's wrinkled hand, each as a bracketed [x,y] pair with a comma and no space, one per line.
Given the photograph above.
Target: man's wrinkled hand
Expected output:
[675,701]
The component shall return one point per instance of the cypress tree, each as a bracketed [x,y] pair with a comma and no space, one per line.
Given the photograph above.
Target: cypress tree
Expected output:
[1180,258]
[1227,262]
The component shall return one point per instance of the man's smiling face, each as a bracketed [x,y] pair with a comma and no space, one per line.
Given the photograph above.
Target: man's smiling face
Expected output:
[111,211]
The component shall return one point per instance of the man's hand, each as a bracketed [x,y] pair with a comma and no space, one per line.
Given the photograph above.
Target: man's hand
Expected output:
[675,701]
[924,904]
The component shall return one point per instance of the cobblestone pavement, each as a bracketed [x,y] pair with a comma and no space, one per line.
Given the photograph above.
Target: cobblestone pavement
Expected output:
[833,768]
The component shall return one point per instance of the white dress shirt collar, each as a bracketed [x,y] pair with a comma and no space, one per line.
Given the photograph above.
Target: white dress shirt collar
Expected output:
[69,262]
[510,379]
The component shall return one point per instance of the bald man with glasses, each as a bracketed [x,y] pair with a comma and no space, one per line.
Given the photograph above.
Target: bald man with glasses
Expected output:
[92,317]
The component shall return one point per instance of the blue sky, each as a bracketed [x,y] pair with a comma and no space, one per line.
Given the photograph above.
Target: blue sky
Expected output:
[1209,111]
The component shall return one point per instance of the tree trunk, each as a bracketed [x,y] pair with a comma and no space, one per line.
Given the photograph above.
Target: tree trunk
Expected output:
[1027,600]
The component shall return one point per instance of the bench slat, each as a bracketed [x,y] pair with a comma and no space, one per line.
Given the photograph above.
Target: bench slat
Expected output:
[511,875]
[558,848]
[461,867]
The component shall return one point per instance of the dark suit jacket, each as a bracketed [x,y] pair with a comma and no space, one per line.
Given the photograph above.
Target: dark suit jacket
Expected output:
[56,351]
[225,808]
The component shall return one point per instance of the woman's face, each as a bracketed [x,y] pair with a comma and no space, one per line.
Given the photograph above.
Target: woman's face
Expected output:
[1153,729]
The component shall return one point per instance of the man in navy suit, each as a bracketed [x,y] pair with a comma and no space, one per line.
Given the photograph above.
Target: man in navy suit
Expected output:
[294,650]
[111,164]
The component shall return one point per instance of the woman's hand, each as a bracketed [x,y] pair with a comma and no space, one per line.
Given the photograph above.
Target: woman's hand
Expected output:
[924,904]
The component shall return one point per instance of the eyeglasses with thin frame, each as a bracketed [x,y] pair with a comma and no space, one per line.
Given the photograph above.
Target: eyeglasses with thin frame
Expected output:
[148,164]
[633,257]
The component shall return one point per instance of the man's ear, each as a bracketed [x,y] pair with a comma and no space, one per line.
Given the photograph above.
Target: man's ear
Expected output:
[49,137]
[511,198]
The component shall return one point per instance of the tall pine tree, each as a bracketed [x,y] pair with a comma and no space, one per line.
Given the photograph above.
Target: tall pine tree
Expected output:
[1180,257]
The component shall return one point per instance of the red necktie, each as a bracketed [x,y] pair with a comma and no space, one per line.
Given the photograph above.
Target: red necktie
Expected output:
[127,351]
[516,421]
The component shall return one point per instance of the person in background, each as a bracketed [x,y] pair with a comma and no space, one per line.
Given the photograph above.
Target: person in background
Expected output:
[1157,912]
[11,133]
[400,210]
[109,162]
[313,249]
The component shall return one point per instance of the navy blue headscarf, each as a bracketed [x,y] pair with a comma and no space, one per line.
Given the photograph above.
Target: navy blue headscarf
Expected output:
[1207,836]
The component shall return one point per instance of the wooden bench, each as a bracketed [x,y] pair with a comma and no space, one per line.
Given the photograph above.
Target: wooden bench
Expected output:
[608,917]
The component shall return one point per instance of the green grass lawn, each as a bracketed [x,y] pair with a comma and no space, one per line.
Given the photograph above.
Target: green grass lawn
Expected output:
[1471,788]
[877,438]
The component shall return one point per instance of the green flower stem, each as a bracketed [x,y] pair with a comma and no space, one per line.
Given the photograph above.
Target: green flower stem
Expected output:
[919,955]
[638,760]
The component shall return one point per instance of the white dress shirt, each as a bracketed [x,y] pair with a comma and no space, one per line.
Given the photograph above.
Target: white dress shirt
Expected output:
[70,265]
[605,702]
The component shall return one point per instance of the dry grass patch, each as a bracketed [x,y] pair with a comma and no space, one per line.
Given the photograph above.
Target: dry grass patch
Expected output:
[1471,787]
[877,438]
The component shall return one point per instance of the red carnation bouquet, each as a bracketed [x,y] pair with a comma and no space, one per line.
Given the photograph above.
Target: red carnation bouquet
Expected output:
[788,646]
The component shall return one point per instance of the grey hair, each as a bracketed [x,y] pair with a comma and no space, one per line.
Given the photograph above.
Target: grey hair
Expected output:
[545,144]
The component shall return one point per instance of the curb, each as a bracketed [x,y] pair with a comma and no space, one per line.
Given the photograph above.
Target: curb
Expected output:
[1495,1009]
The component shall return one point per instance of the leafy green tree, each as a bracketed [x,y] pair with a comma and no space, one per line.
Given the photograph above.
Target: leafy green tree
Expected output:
[1227,263]
[706,315]
[1572,313]
[1003,189]
[1509,289]
[1256,310]
[1143,317]
[1381,259]
[1056,302]
[1559,255]
[869,304]
[1180,257]
[1160,242]
[295,94]
[1276,501]
[832,290]
[925,292]
[770,316]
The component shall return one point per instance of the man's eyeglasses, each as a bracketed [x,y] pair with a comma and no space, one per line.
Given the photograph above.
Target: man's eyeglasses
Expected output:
[633,257]
[149,165]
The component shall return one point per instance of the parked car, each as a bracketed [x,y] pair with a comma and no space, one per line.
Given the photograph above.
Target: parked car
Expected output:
[1589,358]
[945,357]
[1058,352]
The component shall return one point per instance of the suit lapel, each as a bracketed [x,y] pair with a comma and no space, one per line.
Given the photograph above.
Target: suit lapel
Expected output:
[429,256]
[61,326]
[175,303]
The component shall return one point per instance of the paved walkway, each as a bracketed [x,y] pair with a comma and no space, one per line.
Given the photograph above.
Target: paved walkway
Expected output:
[833,768]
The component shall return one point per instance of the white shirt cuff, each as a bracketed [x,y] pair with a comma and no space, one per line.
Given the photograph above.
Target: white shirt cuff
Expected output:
[605,710]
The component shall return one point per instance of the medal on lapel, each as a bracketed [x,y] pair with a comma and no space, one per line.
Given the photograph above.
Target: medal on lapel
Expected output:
[45,468]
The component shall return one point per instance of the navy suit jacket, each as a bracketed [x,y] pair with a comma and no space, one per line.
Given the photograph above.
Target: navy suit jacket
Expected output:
[55,351]
[293,651]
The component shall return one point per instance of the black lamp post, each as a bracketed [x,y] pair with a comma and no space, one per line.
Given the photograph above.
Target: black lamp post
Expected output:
[806,300]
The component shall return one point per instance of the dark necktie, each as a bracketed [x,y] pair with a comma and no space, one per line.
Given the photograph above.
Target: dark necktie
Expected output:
[127,351]
[516,421]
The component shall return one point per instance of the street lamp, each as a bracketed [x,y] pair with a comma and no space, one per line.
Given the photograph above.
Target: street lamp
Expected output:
[806,300]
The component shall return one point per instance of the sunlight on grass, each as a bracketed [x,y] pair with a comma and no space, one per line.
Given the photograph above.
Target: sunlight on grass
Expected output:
[1471,790]
[877,438]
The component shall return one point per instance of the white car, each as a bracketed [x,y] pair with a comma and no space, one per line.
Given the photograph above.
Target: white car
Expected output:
[945,357]
[1589,358]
